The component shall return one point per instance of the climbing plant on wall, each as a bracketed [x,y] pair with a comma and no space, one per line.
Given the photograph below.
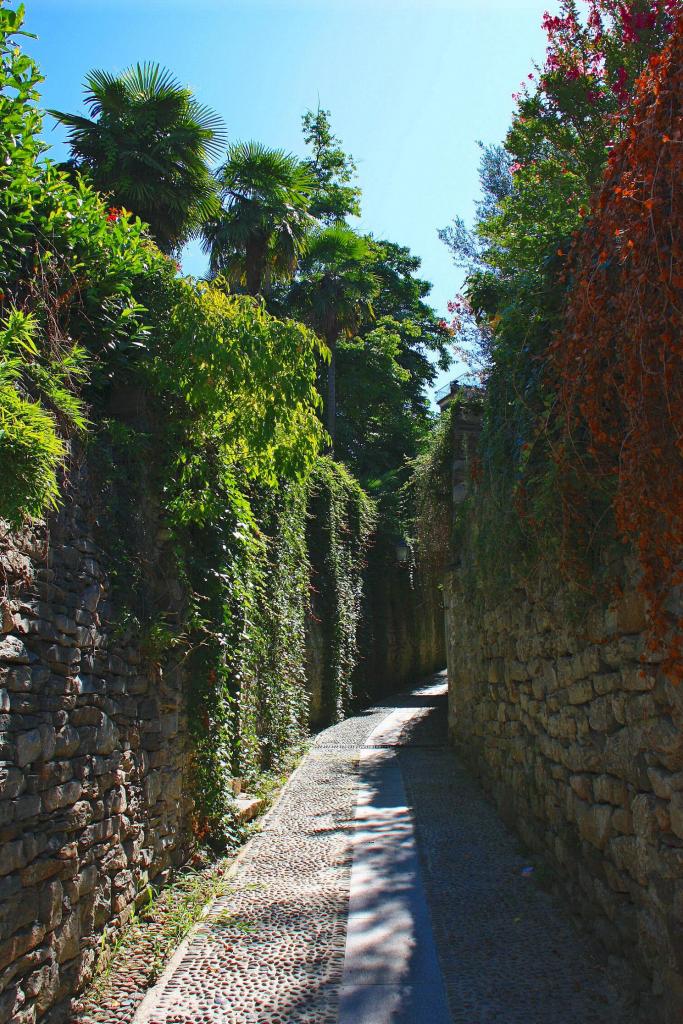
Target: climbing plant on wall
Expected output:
[342,518]
[618,356]
[541,491]
[194,415]
[200,418]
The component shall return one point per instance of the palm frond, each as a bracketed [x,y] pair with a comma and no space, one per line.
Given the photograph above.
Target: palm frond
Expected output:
[337,246]
[253,168]
[74,121]
[211,124]
[147,146]
[104,91]
[150,81]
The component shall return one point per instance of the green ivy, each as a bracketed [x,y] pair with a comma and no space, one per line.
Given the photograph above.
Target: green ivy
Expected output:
[341,521]
[252,574]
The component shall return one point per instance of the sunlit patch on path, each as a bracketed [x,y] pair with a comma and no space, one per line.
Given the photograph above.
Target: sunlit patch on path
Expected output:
[391,971]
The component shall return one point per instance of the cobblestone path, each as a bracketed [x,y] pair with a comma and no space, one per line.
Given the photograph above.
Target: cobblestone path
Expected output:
[384,889]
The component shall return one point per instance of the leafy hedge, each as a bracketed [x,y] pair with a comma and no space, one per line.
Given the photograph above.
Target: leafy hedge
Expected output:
[67,266]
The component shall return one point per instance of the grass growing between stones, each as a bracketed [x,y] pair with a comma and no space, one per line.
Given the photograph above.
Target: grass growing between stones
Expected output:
[269,785]
[128,966]
[133,961]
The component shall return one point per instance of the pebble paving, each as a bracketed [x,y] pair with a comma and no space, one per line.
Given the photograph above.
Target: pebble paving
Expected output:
[271,951]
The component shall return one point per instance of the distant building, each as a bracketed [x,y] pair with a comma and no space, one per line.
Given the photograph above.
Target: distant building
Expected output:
[447,394]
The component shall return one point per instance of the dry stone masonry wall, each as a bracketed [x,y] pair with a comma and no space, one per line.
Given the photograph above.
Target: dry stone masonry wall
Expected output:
[93,764]
[578,735]
[403,626]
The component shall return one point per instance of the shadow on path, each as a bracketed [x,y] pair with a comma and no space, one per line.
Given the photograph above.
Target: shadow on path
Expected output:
[391,972]
[508,950]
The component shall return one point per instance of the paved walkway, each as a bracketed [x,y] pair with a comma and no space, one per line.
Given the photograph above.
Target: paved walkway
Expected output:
[384,889]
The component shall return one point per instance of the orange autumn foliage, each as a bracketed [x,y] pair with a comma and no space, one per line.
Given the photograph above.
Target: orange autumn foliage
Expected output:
[619,357]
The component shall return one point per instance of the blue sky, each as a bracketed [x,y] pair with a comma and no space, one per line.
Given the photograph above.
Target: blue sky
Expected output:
[412,85]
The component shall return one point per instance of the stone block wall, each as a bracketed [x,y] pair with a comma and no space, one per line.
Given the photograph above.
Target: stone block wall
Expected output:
[400,633]
[578,736]
[403,637]
[93,762]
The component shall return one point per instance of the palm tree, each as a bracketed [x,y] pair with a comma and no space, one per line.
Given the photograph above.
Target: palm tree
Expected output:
[334,293]
[146,144]
[261,231]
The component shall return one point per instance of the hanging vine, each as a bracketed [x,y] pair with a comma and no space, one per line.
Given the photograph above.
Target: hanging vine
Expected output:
[619,355]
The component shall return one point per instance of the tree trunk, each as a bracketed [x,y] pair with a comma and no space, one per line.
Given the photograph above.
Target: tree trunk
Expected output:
[253,278]
[256,265]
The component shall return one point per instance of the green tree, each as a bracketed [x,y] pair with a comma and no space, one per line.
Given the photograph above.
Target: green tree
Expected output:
[537,186]
[385,370]
[335,198]
[402,295]
[260,233]
[67,267]
[334,293]
[146,144]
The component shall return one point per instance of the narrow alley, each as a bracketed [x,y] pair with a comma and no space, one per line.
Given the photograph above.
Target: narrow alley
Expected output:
[384,888]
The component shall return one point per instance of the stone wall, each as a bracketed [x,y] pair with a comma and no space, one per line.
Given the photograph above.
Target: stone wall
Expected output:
[401,634]
[580,742]
[403,637]
[93,760]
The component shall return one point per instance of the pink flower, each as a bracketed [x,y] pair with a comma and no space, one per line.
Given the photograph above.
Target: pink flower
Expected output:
[594,19]
[619,87]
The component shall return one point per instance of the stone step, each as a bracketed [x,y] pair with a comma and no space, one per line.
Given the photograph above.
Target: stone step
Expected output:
[249,807]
